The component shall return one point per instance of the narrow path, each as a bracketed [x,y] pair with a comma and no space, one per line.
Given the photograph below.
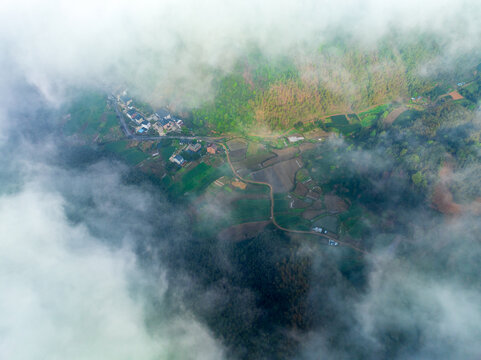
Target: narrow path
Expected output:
[218,140]
[274,221]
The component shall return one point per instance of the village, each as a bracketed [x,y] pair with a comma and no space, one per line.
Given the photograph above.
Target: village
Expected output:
[160,123]
[283,180]
[198,165]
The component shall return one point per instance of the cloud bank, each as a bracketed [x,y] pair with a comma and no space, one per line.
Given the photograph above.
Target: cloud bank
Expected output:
[71,282]
[167,50]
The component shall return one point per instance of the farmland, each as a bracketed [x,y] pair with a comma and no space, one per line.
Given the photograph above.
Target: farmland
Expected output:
[369,118]
[314,182]
[123,150]
[197,179]
[280,175]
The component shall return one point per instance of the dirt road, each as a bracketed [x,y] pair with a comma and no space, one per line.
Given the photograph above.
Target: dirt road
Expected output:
[274,221]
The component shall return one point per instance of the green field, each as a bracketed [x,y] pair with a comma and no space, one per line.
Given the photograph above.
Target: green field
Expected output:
[352,221]
[281,203]
[339,120]
[293,220]
[353,118]
[240,211]
[166,151]
[131,156]
[247,210]
[198,179]
[341,124]
[369,118]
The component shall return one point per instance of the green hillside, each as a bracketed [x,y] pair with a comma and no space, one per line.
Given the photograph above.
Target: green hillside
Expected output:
[339,77]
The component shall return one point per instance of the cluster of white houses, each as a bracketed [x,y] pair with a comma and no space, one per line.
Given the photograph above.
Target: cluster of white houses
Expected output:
[165,122]
[161,121]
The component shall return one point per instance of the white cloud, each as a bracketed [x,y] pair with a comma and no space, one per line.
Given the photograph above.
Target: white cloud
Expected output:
[64,294]
[163,48]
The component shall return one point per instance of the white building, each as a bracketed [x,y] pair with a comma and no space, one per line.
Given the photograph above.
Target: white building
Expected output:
[293,139]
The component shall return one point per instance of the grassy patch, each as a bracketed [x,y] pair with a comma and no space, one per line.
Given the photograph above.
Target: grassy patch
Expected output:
[131,156]
[339,123]
[198,179]
[407,118]
[281,203]
[339,120]
[246,210]
[369,118]
[90,117]
[293,220]
[166,152]
[353,118]
[353,223]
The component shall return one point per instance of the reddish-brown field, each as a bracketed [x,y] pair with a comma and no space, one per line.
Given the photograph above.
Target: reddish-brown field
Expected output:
[455,95]
[301,189]
[334,203]
[442,198]
[311,214]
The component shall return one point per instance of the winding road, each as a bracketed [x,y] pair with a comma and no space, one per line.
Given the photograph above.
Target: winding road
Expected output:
[273,218]
[218,140]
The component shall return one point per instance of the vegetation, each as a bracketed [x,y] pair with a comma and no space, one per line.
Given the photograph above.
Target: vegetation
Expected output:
[279,94]
[197,179]
[370,117]
[246,210]
[123,150]
[89,117]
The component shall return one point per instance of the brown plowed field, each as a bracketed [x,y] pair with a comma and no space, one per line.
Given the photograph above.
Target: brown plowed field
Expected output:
[282,155]
[280,176]
[455,95]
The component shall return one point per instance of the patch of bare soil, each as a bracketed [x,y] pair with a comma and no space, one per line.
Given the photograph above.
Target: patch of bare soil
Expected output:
[242,231]
[239,184]
[314,195]
[393,115]
[307,146]
[311,214]
[298,204]
[237,149]
[334,203]
[317,205]
[301,189]
[456,95]
[442,198]
[280,176]
[281,155]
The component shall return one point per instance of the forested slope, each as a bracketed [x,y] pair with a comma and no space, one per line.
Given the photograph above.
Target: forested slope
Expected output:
[336,77]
